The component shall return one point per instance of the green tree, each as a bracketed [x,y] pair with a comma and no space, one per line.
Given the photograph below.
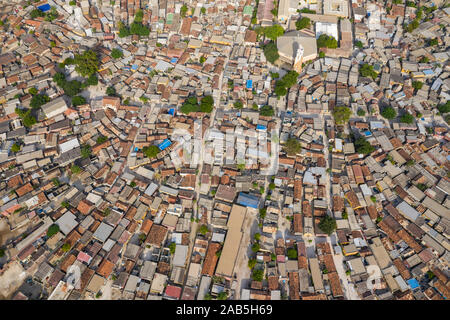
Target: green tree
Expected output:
[292,147]
[85,151]
[366,70]
[33,91]
[344,215]
[203,10]
[341,114]
[101,139]
[72,88]
[255,247]
[39,100]
[52,230]
[2,253]
[65,204]
[433,42]
[37,13]
[75,169]
[359,44]
[15,147]
[272,186]
[257,275]
[327,224]
[86,63]
[326,41]
[172,247]
[65,247]
[363,146]
[273,32]
[111,91]
[389,113]
[417,85]
[292,254]
[257,236]
[271,52]
[203,229]
[280,88]
[78,101]
[151,151]
[303,23]
[361,112]
[56,182]
[183,10]
[238,105]
[262,213]
[266,111]
[208,296]
[444,108]
[92,80]
[407,118]
[72,3]
[116,53]
[251,263]
[202,59]
[222,296]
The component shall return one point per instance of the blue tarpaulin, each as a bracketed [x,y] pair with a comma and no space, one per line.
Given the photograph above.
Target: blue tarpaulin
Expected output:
[173,60]
[44,7]
[163,145]
[249,84]
[134,66]
[368,133]
[413,283]
[172,111]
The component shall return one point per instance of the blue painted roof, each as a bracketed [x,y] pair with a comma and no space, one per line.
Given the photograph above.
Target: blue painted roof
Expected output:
[134,66]
[249,84]
[248,200]
[44,7]
[163,145]
[260,127]
[413,283]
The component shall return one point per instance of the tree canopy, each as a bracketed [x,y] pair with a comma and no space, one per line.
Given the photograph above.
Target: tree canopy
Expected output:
[192,105]
[258,274]
[327,224]
[292,146]
[388,113]
[116,53]
[303,23]
[266,111]
[366,70]
[151,151]
[326,41]
[86,63]
[341,114]
[52,230]
[292,254]
[273,32]
[288,80]
[39,100]
[363,146]
[417,85]
[407,118]
[78,101]
[271,52]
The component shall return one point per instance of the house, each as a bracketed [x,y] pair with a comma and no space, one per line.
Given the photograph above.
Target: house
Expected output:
[54,107]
